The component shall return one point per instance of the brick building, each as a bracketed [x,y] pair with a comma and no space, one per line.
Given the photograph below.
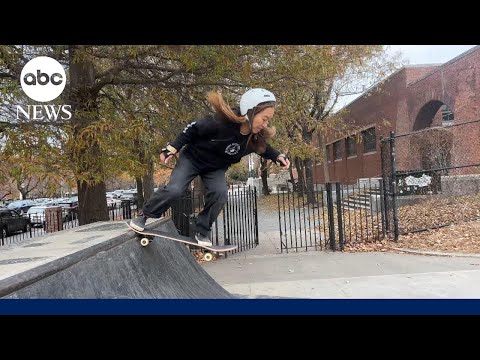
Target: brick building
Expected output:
[413,98]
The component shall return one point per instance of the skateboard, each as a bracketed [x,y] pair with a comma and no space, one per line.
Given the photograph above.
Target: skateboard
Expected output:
[148,235]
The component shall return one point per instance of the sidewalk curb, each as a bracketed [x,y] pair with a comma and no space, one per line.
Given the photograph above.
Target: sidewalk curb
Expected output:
[436,253]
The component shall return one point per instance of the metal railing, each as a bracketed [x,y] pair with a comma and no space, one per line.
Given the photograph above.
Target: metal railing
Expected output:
[339,215]
[433,173]
[237,224]
[47,222]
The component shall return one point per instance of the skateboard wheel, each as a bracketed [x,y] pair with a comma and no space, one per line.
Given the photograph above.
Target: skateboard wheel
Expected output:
[208,257]
[144,241]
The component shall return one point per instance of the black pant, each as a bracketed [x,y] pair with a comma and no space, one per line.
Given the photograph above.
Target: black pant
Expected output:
[183,174]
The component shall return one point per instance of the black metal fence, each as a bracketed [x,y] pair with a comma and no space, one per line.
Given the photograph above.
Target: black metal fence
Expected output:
[237,224]
[431,174]
[429,179]
[303,224]
[21,227]
[332,216]
[389,186]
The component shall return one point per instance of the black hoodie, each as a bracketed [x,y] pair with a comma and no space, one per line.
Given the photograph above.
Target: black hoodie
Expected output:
[214,142]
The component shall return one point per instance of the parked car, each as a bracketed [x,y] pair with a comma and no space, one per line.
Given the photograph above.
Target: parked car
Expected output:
[11,221]
[21,206]
[131,197]
[36,214]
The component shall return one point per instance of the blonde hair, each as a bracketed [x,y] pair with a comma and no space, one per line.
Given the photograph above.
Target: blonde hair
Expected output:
[220,106]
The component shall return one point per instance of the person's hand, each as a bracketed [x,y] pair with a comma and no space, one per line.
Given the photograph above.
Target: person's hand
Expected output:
[165,159]
[283,160]
[167,154]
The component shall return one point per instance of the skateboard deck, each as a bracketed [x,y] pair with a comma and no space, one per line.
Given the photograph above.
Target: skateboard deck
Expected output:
[150,234]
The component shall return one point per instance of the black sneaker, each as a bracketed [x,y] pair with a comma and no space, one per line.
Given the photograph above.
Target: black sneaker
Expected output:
[203,240]
[138,223]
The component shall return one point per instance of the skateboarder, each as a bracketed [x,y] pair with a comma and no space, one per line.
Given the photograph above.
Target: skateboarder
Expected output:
[207,147]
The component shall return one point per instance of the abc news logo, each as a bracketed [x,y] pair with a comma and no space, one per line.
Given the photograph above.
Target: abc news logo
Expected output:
[43,79]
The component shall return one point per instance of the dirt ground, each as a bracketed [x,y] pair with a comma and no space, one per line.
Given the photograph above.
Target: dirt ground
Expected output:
[459,238]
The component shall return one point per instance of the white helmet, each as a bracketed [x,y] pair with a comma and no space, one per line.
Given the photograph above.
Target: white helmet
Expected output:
[253,97]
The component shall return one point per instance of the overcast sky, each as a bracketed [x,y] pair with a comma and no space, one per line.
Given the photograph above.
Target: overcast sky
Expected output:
[429,54]
[419,54]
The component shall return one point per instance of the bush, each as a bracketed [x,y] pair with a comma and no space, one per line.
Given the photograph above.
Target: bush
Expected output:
[237,173]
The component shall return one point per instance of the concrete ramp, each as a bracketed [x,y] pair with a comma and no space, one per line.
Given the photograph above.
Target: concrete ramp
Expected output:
[104,260]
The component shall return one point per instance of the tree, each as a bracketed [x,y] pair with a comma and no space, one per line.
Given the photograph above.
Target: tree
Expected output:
[127,101]
[320,75]
[7,189]
[264,164]
[31,160]
[434,148]
[181,73]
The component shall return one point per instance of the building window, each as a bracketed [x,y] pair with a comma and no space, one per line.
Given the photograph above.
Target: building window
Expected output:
[337,150]
[447,115]
[351,146]
[329,154]
[369,140]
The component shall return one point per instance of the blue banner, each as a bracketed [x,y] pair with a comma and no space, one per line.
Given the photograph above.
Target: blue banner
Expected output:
[240,307]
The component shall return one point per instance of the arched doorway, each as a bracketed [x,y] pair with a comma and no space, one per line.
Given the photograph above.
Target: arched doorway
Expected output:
[433,146]
[435,113]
